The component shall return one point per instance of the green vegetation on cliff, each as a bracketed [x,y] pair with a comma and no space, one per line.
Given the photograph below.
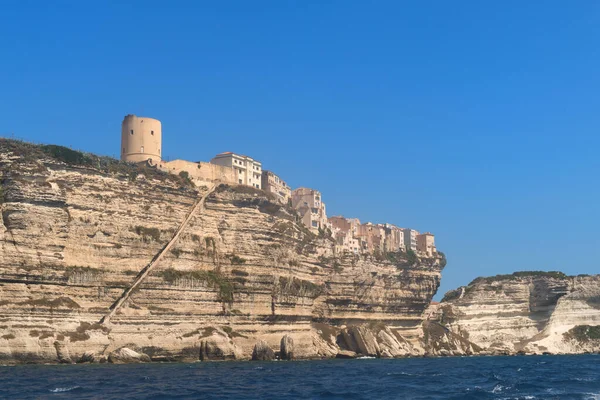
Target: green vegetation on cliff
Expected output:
[583,333]
[211,278]
[31,153]
[518,275]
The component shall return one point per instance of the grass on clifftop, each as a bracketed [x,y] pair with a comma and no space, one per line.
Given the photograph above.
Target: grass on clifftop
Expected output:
[31,153]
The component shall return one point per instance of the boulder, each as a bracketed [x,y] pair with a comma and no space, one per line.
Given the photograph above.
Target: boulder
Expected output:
[360,339]
[286,348]
[345,354]
[262,352]
[393,345]
[125,355]
[219,347]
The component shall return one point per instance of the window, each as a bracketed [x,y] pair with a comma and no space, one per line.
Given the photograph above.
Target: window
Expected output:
[131,131]
[152,133]
[142,149]
[123,149]
[235,161]
[240,181]
[315,224]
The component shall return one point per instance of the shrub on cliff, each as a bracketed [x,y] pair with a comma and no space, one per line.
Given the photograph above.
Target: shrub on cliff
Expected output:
[583,333]
[211,278]
[67,155]
[520,274]
[443,260]
[452,295]
[235,259]
[299,287]
[147,234]
[402,259]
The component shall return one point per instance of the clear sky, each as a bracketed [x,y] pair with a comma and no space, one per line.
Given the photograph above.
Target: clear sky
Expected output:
[476,120]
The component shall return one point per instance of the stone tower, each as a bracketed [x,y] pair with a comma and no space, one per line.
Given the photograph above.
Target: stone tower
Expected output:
[141,139]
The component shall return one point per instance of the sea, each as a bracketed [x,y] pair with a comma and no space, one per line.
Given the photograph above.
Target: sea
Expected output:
[520,377]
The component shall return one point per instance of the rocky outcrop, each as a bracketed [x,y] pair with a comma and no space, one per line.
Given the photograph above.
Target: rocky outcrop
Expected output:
[219,347]
[527,313]
[441,341]
[286,348]
[125,355]
[262,352]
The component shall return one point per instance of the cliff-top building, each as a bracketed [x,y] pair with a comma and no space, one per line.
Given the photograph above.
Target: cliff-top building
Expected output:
[247,170]
[310,206]
[410,239]
[344,233]
[274,184]
[394,238]
[426,244]
[141,139]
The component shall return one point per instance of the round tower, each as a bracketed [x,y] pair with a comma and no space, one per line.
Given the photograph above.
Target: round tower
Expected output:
[141,139]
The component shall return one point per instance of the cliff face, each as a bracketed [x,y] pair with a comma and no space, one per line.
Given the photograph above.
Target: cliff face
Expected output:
[75,236]
[532,313]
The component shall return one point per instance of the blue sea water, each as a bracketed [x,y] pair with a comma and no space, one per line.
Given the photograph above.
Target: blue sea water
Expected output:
[543,377]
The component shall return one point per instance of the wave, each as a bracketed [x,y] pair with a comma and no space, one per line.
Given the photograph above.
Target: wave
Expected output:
[64,389]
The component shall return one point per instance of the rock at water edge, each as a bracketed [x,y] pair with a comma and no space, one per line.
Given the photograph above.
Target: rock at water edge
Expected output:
[286,348]
[125,355]
[262,352]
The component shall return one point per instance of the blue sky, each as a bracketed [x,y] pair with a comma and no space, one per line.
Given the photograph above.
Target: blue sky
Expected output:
[475,120]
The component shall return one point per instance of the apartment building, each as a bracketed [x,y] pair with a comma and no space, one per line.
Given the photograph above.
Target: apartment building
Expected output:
[344,233]
[274,184]
[410,239]
[371,236]
[310,206]
[394,238]
[247,171]
[426,244]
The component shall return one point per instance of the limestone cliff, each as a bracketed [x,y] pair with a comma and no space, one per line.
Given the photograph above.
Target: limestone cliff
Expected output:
[102,258]
[527,312]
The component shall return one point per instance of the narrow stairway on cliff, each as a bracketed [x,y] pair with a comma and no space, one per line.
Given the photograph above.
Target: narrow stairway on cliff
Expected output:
[141,276]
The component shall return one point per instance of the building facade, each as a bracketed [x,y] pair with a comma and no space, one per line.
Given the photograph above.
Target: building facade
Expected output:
[141,139]
[344,232]
[426,244]
[371,237]
[247,171]
[410,239]
[310,206]
[394,239]
[274,184]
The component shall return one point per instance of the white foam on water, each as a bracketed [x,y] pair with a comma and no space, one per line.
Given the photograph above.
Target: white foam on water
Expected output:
[592,396]
[497,389]
[65,389]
